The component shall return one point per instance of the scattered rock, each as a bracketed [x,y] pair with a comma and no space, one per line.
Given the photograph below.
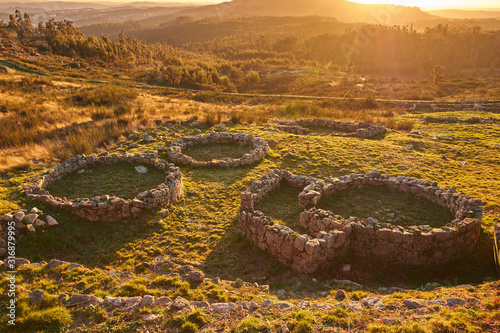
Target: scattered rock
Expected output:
[147,301]
[323,306]
[113,301]
[39,223]
[373,302]
[238,283]
[51,222]
[222,307]
[35,210]
[200,304]
[132,304]
[164,213]
[266,304]
[304,304]
[356,306]
[475,302]
[84,300]
[340,294]
[149,317]
[196,276]
[437,302]
[29,219]
[251,306]
[163,301]
[453,301]
[409,147]
[348,283]
[37,296]
[13,263]
[192,192]
[63,298]
[53,263]
[179,303]
[19,216]
[73,265]
[284,306]
[414,303]
[141,169]
[30,228]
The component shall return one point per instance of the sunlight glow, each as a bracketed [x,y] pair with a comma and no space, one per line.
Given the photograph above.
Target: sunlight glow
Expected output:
[424,4]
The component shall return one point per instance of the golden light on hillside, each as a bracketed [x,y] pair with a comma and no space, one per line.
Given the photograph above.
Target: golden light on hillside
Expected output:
[436,3]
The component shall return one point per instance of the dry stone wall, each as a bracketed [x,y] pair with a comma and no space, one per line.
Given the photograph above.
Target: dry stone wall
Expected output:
[481,106]
[360,130]
[456,120]
[330,237]
[258,151]
[105,207]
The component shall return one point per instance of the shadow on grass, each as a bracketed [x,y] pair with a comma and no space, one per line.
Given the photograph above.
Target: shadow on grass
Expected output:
[93,244]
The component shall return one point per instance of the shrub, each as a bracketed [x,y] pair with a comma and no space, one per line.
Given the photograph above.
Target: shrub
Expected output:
[104,96]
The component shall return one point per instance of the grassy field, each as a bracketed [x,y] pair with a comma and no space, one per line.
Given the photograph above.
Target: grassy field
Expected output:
[209,151]
[118,179]
[201,229]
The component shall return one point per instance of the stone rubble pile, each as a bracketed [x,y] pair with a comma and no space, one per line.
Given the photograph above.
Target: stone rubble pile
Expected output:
[456,120]
[105,207]
[258,151]
[360,130]
[330,237]
[481,106]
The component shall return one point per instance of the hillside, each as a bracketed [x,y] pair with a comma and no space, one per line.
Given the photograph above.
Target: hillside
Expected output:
[342,10]
[249,177]
[465,14]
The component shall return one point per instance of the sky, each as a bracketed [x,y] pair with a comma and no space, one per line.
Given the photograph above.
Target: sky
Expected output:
[424,4]
[433,4]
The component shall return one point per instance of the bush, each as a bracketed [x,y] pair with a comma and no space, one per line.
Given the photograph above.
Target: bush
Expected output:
[104,96]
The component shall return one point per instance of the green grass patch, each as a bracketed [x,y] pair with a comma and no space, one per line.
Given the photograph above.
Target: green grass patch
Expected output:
[210,151]
[386,205]
[324,130]
[283,206]
[119,179]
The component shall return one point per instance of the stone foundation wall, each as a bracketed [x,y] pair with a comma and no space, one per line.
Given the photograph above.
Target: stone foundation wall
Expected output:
[259,149]
[331,237]
[481,106]
[360,130]
[456,120]
[105,207]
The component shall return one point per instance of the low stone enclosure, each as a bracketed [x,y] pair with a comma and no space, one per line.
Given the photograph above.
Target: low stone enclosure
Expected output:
[259,149]
[105,207]
[331,237]
[456,120]
[360,130]
[442,106]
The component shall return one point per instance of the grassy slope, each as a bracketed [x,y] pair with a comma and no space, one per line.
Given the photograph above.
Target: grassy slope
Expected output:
[202,227]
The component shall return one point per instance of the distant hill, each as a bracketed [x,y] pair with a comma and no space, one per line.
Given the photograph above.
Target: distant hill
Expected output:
[342,10]
[465,14]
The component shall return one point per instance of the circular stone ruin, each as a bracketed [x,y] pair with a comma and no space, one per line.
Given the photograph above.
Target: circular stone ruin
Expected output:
[258,151]
[360,130]
[105,207]
[331,237]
